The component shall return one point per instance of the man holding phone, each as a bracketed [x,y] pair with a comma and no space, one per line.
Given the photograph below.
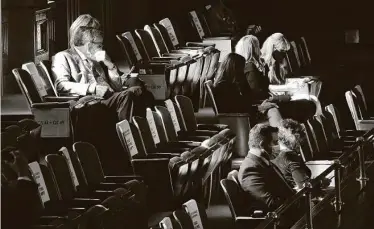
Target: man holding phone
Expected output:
[86,69]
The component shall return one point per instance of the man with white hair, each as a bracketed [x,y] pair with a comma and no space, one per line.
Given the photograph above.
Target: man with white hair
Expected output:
[86,69]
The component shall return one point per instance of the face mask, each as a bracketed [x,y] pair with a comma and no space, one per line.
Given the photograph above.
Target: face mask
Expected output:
[278,56]
[275,149]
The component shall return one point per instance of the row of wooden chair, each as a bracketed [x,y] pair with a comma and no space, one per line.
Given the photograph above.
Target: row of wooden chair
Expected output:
[74,192]
[188,157]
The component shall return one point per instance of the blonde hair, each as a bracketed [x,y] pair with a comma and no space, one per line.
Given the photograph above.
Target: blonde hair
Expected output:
[275,42]
[84,20]
[248,47]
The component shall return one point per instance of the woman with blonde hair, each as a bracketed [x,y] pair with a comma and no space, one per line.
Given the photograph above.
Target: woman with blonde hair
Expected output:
[273,53]
[249,48]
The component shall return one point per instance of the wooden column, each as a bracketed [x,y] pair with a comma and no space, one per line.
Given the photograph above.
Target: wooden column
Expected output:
[20,36]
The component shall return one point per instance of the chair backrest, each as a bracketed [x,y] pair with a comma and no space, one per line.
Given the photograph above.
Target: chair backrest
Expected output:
[361,102]
[45,71]
[147,43]
[179,171]
[131,139]
[166,23]
[331,112]
[139,57]
[208,85]
[196,22]
[165,36]
[233,175]
[197,214]
[157,39]
[306,51]
[235,198]
[59,168]
[186,109]
[183,219]
[90,162]
[352,104]
[319,136]
[127,50]
[169,223]
[167,123]
[52,189]
[27,86]
[213,65]
[146,133]
[308,150]
[160,127]
[187,85]
[36,78]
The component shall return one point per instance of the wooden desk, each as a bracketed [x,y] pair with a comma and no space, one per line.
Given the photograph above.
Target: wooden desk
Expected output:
[14,107]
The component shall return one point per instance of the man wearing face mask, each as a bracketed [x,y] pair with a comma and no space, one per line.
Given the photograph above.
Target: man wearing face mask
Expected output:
[81,70]
[258,176]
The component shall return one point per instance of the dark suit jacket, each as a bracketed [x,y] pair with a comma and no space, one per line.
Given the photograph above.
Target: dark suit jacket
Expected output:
[20,204]
[293,168]
[262,182]
[258,82]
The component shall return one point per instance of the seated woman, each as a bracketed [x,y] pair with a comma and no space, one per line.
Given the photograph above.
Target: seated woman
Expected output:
[273,55]
[232,92]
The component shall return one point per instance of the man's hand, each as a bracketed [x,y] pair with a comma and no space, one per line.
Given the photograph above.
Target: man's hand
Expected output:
[266,105]
[102,56]
[137,90]
[103,91]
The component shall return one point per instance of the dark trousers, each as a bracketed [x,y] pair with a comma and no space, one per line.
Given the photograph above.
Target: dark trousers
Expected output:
[122,103]
[299,110]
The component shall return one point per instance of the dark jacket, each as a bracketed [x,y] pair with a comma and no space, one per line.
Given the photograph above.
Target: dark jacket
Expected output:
[293,168]
[20,204]
[233,98]
[262,182]
[258,82]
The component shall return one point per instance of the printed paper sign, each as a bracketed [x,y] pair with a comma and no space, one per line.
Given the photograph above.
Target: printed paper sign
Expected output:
[173,114]
[152,126]
[130,38]
[169,27]
[193,211]
[166,223]
[197,23]
[301,89]
[39,179]
[66,154]
[55,122]
[36,78]
[155,84]
[223,45]
[129,138]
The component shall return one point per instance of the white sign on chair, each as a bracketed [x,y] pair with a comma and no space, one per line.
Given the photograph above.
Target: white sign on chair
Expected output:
[39,179]
[66,154]
[169,27]
[173,114]
[152,126]
[129,138]
[197,23]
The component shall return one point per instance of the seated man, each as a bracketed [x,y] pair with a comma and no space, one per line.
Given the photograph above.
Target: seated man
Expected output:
[78,71]
[19,197]
[257,175]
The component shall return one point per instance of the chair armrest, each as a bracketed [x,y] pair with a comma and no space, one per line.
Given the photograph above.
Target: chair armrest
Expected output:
[200,44]
[122,179]
[108,186]
[192,137]
[175,55]
[366,124]
[85,202]
[166,58]
[212,127]
[60,98]
[162,155]
[50,105]
[192,48]
[184,144]
[206,132]
[233,115]
[217,38]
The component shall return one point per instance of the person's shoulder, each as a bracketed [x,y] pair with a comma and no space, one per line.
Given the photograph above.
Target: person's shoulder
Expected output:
[249,67]
[68,53]
[291,156]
